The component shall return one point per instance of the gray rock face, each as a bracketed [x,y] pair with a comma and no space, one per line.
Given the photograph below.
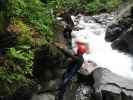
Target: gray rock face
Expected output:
[120,31]
[49,65]
[112,86]
[106,86]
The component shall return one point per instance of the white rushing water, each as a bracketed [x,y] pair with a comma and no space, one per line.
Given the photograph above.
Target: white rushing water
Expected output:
[100,51]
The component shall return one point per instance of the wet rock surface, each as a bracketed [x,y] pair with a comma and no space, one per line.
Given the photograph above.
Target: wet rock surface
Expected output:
[84,92]
[49,66]
[119,33]
[104,19]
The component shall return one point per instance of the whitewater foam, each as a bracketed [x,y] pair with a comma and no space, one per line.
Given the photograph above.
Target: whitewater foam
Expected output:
[100,51]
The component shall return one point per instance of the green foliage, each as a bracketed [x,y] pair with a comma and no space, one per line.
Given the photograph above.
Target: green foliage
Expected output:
[35,14]
[26,35]
[65,4]
[113,4]
[19,64]
[88,6]
[94,6]
[97,6]
[24,56]
[19,54]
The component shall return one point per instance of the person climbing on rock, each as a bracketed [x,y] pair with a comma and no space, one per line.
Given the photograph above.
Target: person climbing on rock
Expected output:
[69,25]
[75,64]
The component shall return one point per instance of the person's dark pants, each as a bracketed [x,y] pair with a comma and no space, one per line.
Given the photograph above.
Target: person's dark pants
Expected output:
[71,71]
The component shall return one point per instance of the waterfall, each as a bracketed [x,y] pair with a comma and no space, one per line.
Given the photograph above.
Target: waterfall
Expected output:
[91,31]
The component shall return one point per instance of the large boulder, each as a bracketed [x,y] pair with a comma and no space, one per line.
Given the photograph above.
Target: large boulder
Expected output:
[110,86]
[120,31]
[49,66]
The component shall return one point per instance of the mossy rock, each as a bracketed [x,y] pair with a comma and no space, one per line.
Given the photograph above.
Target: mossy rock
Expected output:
[49,65]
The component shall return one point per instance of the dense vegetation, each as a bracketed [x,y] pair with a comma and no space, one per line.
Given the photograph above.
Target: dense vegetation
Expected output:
[33,20]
